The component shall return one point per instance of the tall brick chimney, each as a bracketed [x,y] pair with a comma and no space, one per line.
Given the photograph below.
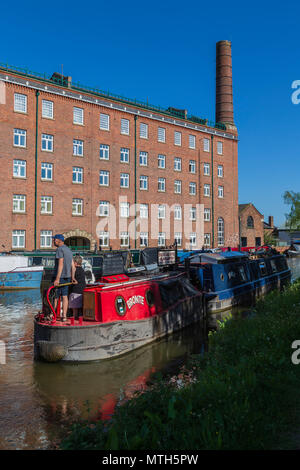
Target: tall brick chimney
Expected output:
[271,221]
[224,98]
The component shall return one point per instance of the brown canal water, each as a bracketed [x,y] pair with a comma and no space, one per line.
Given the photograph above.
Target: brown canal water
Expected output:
[38,399]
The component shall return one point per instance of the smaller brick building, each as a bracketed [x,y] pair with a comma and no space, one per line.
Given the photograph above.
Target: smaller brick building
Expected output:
[251,223]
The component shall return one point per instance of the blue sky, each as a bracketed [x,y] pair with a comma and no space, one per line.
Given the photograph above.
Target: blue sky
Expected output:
[164,51]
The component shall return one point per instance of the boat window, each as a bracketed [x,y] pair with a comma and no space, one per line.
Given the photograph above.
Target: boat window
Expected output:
[120,305]
[262,267]
[97,261]
[242,273]
[48,262]
[273,265]
[150,297]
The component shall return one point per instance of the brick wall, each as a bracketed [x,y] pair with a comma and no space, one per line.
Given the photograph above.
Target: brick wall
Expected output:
[251,234]
[63,190]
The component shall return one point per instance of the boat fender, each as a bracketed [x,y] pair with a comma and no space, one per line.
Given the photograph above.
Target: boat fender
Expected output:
[50,351]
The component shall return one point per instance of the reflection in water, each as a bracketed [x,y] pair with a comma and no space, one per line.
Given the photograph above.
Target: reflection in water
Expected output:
[37,398]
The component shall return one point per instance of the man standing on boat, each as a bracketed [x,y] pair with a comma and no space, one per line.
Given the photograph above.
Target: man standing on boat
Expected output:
[64,272]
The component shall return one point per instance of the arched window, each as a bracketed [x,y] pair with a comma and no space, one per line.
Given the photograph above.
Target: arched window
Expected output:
[250,222]
[220,231]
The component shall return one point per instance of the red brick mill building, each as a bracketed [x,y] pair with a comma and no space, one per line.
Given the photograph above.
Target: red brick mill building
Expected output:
[72,155]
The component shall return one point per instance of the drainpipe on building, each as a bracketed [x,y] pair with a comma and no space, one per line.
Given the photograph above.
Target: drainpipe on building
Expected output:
[212,192]
[36,169]
[135,197]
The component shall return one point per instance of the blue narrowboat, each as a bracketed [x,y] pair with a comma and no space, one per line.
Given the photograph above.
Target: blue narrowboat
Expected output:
[233,278]
[15,273]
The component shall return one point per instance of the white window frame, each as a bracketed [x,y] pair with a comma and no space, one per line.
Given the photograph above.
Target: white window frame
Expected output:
[78,173]
[178,238]
[177,138]
[192,141]
[193,239]
[177,186]
[47,109]
[206,169]
[192,213]
[207,238]
[144,238]
[46,204]
[20,138]
[144,183]
[221,231]
[104,122]
[124,180]
[161,161]
[47,169]
[78,116]
[192,188]
[219,147]
[206,190]
[125,126]
[207,215]
[103,239]
[103,208]
[192,166]
[220,192]
[143,158]
[77,148]
[20,237]
[77,206]
[161,134]
[143,130]
[124,239]
[220,171]
[161,239]
[177,213]
[124,209]
[161,211]
[48,142]
[206,145]
[19,166]
[161,185]
[19,203]
[104,152]
[46,239]
[144,211]
[124,155]
[20,103]
[177,164]
[104,176]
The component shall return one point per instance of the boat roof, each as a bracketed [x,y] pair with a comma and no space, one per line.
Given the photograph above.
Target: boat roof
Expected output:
[224,257]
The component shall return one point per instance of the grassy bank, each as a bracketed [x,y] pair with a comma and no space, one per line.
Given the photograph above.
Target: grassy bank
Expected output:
[244,395]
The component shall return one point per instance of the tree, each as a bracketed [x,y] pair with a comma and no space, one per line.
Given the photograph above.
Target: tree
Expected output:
[293,218]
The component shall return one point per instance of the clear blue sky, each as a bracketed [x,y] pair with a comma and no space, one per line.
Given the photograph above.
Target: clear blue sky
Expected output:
[164,51]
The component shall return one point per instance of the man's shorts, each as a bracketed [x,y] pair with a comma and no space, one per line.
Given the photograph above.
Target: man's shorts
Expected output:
[61,291]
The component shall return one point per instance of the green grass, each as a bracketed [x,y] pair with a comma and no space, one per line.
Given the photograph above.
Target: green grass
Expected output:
[245,395]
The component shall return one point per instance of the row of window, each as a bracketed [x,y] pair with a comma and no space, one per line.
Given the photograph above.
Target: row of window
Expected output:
[19,171]
[18,238]
[20,105]
[19,206]
[104,151]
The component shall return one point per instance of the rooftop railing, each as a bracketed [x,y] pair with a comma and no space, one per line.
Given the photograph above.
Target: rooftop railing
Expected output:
[62,81]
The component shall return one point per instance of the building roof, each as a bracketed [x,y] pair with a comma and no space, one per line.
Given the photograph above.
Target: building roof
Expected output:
[242,207]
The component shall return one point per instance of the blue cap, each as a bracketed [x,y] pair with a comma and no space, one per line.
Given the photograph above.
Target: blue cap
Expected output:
[59,236]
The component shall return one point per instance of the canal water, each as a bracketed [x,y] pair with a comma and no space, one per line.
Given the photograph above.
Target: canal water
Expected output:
[38,399]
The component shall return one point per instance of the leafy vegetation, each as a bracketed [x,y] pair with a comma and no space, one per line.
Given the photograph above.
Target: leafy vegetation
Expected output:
[293,218]
[242,397]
